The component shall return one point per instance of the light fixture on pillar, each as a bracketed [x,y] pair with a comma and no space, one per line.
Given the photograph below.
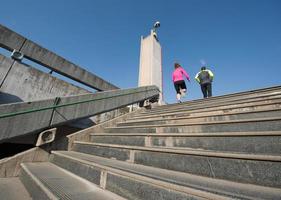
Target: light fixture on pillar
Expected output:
[156,24]
[155,27]
[17,55]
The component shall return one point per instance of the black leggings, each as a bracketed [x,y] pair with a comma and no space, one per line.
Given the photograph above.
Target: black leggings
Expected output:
[206,89]
[179,85]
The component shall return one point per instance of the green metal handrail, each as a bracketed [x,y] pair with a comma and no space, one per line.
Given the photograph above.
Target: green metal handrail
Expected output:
[6,115]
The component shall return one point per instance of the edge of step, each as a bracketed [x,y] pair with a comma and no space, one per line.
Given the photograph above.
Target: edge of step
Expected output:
[34,182]
[199,123]
[194,186]
[133,120]
[272,90]
[139,177]
[219,134]
[51,187]
[213,103]
[189,151]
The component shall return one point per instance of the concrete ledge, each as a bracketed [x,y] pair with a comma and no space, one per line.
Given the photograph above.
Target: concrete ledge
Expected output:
[22,124]
[35,116]
[10,167]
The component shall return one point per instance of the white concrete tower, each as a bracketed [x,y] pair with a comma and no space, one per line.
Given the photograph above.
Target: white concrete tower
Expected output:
[150,70]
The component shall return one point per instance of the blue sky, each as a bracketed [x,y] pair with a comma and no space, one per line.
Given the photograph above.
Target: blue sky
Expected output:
[239,39]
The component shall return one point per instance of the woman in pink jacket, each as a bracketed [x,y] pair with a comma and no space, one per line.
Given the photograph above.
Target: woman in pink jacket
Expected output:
[178,79]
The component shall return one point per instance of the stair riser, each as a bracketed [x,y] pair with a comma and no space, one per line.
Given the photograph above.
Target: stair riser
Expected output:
[265,104]
[255,115]
[132,189]
[236,98]
[122,140]
[233,169]
[124,186]
[249,144]
[32,187]
[209,104]
[212,111]
[274,125]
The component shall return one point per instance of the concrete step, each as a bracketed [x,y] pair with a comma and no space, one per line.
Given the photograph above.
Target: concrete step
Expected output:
[47,181]
[13,189]
[217,105]
[208,117]
[144,182]
[124,183]
[242,95]
[245,168]
[187,104]
[244,107]
[247,142]
[244,125]
[230,97]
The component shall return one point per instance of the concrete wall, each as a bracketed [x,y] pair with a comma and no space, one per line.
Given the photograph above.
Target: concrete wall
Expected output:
[21,83]
[11,40]
[23,124]
[150,69]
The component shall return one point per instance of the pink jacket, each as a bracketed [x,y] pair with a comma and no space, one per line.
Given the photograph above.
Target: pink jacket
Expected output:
[178,74]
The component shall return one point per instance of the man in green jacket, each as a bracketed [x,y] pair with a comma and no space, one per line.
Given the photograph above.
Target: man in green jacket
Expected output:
[205,78]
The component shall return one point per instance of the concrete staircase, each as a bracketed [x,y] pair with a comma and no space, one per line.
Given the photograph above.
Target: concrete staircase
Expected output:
[225,147]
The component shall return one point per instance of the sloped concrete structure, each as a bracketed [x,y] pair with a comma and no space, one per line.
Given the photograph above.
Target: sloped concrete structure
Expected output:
[22,83]
[11,40]
[20,119]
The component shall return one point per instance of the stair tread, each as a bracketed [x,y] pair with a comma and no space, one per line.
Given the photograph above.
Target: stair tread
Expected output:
[65,184]
[190,151]
[206,108]
[213,185]
[8,186]
[199,123]
[132,120]
[270,91]
[219,134]
[214,103]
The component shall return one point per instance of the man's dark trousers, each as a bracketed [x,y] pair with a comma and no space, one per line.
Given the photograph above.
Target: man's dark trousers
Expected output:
[206,89]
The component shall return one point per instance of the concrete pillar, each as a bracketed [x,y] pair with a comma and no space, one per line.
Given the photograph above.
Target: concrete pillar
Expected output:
[150,70]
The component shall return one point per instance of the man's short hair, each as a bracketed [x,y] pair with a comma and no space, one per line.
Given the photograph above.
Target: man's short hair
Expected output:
[203,68]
